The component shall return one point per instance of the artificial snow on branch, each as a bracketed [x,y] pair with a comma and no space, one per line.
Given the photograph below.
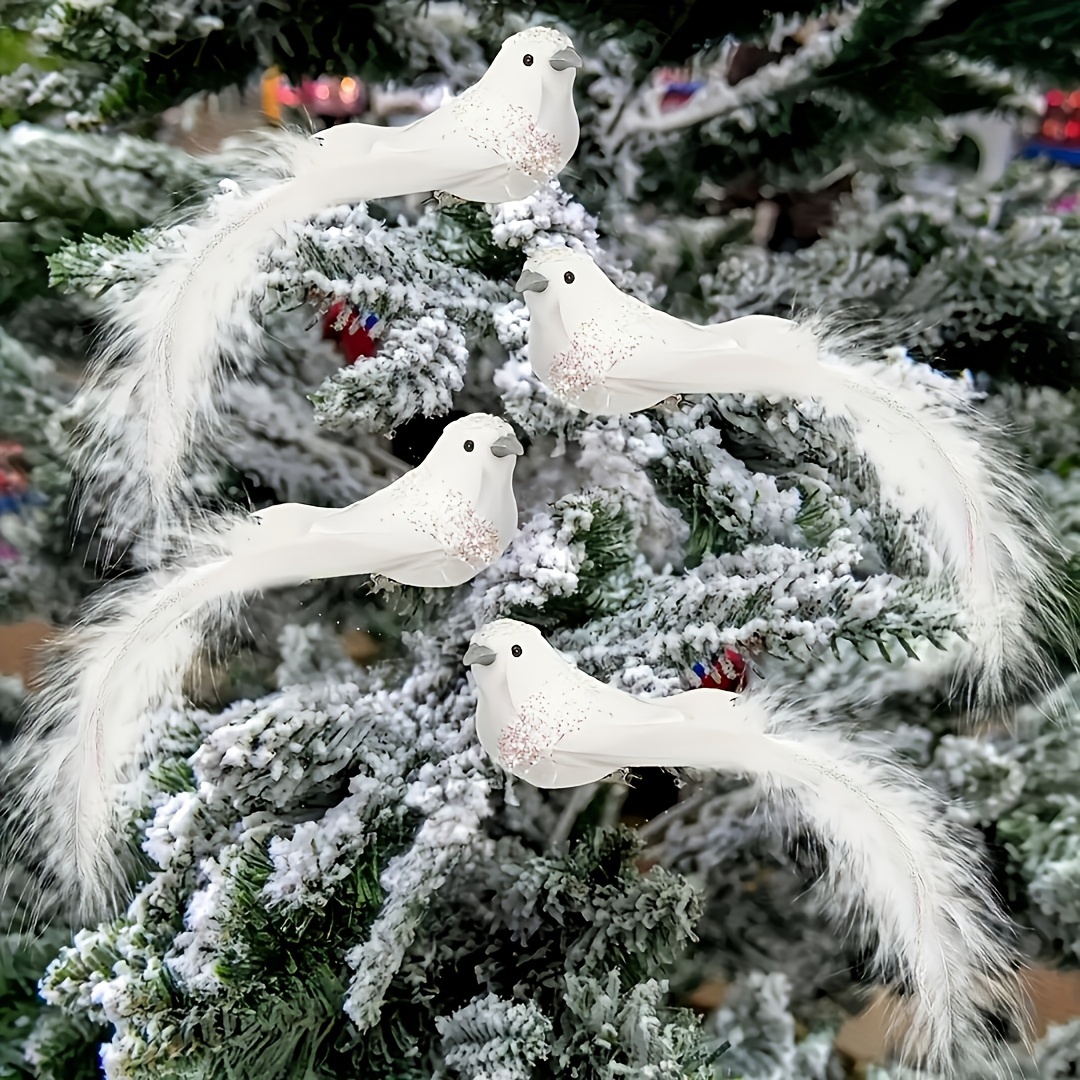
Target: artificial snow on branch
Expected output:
[642,114]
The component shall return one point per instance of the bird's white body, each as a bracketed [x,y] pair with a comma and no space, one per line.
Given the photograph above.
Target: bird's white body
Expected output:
[919,892]
[605,352]
[437,526]
[154,397]
[611,354]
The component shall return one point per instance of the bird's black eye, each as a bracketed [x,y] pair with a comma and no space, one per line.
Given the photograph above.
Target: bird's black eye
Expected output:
[516,650]
[568,277]
[470,446]
[527,60]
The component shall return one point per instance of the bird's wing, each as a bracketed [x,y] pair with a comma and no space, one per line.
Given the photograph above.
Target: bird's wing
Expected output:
[385,509]
[754,354]
[443,147]
[400,554]
[432,154]
[556,709]
[382,534]
[551,686]
[285,552]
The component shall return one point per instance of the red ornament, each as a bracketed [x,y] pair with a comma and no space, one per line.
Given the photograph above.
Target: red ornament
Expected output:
[352,335]
[727,672]
[15,490]
[1059,121]
[325,96]
[14,477]
[677,85]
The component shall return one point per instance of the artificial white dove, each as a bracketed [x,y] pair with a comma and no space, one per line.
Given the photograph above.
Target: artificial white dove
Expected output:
[920,893]
[605,352]
[436,526]
[154,397]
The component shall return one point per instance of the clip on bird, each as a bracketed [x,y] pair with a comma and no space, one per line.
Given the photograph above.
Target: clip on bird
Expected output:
[435,527]
[607,353]
[921,895]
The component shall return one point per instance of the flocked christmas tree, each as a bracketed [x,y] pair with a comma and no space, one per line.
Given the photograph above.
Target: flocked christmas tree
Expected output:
[334,880]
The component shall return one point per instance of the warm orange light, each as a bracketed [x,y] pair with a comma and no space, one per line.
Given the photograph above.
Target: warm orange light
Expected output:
[1054,129]
[270,102]
[1074,100]
[349,89]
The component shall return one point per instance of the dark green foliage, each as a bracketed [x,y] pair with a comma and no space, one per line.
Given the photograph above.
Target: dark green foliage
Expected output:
[71,265]
[606,534]
[533,923]
[21,964]
[303,39]
[49,582]
[890,70]
[65,1047]
[283,984]
[470,222]
[667,32]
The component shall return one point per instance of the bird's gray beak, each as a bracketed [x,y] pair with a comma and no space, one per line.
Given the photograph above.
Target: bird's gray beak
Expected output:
[479,654]
[505,445]
[531,281]
[565,58]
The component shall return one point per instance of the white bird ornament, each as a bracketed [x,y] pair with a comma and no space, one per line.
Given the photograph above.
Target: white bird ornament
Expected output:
[153,400]
[607,353]
[437,526]
[920,893]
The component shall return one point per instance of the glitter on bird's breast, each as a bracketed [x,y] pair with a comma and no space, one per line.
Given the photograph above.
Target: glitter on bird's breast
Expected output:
[509,131]
[594,350]
[452,521]
[539,724]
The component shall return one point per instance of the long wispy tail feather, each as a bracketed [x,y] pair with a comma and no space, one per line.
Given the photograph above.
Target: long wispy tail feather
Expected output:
[934,459]
[152,404]
[131,650]
[899,873]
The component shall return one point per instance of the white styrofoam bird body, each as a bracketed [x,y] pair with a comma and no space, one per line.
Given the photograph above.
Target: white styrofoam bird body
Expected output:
[921,894]
[436,526]
[608,353]
[154,395]
[605,352]
[498,141]
[546,721]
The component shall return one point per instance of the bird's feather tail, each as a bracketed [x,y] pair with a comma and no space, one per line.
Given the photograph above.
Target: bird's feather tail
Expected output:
[901,875]
[151,407]
[131,650]
[935,461]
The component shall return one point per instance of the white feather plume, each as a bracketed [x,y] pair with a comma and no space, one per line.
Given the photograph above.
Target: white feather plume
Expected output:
[132,649]
[897,873]
[436,527]
[151,403]
[608,353]
[154,395]
[936,459]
